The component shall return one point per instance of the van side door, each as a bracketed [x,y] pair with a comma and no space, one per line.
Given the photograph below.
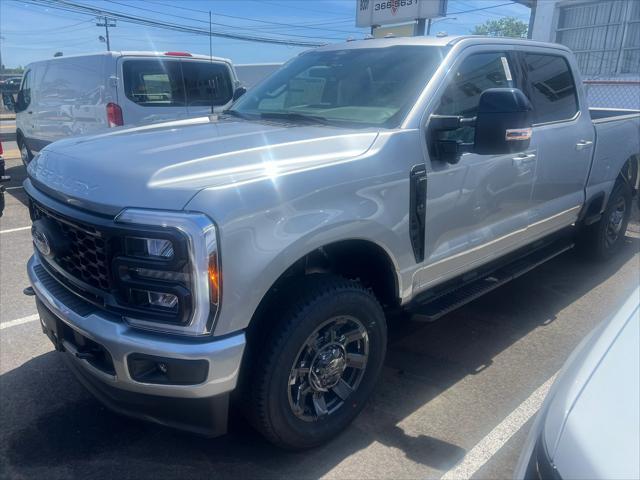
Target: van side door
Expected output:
[476,209]
[151,90]
[565,138]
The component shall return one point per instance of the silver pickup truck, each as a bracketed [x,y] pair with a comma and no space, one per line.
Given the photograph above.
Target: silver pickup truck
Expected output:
[259,251]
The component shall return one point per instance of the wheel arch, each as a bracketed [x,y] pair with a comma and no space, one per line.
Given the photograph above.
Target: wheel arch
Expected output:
[629,171]
[19,137]
[354,258]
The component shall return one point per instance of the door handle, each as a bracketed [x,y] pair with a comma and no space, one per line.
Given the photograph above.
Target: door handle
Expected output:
[524,159]
[582,144]
[30,112]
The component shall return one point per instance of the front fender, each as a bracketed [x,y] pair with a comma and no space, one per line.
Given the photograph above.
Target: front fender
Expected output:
[266,226]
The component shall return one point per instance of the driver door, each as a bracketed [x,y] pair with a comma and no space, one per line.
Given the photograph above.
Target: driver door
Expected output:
[476,209]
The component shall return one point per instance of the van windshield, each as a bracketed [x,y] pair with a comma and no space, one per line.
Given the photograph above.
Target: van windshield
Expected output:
[171,83]
[360,86]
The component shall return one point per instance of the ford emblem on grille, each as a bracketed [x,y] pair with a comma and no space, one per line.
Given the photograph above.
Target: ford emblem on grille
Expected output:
[41,241]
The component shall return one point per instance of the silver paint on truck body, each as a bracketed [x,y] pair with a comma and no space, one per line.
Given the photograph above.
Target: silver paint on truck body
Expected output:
[278,191]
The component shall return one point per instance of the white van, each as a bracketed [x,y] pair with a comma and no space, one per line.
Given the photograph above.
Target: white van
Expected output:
[77,95]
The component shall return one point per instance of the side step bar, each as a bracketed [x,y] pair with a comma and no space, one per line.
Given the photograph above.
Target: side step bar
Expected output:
[439,305]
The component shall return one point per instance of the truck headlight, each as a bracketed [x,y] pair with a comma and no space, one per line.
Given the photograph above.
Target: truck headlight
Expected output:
[170,272]
[149,247]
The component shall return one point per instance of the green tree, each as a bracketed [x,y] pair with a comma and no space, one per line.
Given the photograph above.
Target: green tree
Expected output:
[503,27]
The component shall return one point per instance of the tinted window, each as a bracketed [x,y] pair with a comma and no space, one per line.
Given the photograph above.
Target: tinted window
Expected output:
[476,74]
[153,83]
[362,86]
[206,83]
[551,88]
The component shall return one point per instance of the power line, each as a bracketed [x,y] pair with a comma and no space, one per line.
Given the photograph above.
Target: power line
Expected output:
[480,9]
[85,9]
[213,23]
[268,22]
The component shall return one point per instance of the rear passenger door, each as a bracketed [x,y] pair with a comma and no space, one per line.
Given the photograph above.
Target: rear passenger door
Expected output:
[152,90]
[564,137]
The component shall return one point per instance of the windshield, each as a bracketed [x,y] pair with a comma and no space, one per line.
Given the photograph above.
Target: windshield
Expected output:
[360,86]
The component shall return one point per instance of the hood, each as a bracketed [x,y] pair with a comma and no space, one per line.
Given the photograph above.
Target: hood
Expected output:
[164,165]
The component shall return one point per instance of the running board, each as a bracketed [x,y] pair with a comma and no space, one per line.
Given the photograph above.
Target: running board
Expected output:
[436,307]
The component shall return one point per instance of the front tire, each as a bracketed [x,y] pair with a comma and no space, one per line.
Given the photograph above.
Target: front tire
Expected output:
[604,239]
[319,364]
[25,154]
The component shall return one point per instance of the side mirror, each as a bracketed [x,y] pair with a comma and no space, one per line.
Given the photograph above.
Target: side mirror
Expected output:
[19,105]
[503,122]
[238,92]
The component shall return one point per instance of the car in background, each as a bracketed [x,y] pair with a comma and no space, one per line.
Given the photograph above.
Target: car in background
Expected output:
[85,94]
[589,425]
[3,178]
[11,84]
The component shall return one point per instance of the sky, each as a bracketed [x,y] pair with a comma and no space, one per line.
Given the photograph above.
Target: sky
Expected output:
[35,32]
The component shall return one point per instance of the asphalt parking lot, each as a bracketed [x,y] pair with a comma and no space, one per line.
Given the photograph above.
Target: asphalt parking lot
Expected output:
[446,390]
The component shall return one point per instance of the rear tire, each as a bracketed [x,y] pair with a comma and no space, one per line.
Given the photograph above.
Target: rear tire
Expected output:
[311,376]
[25,153]
[604,239]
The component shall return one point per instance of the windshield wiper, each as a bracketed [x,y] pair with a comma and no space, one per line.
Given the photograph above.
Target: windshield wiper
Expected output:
[294,117]
[235,113]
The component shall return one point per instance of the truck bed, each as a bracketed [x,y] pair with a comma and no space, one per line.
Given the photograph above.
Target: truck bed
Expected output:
[599,115]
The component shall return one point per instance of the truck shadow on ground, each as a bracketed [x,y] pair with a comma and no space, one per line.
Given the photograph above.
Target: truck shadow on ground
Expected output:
[51,428]
[18,174]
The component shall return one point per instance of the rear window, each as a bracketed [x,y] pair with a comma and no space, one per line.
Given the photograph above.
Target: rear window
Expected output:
[206,83]
[167,83]
[552,90]
[153,83]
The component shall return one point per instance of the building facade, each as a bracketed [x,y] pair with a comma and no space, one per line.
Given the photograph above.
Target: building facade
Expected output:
[605,37]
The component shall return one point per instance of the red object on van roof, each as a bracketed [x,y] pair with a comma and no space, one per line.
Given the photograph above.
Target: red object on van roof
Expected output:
[178,54]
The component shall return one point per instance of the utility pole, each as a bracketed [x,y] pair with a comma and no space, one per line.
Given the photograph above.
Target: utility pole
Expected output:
[106,22]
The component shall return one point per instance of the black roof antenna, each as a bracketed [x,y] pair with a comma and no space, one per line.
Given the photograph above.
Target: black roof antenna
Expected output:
[211,80]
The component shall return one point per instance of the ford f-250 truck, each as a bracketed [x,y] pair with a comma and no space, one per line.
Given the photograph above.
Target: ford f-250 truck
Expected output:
[258,251]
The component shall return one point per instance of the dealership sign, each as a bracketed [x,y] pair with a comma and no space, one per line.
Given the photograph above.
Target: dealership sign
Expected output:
[383,12]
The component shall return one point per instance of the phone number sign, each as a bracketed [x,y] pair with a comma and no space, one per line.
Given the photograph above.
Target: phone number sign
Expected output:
[384,12]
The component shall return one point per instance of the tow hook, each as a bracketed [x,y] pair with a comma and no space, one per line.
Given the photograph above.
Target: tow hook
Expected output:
[29,291]
[85,355]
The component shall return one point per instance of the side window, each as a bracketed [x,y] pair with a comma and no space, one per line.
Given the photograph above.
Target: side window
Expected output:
[552,90]
[207,83]
[25,90]
[153,83]
[71,80]
[477,73]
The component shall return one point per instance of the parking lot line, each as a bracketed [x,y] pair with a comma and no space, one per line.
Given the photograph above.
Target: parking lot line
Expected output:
[19,321]
[11,230]
[500,435]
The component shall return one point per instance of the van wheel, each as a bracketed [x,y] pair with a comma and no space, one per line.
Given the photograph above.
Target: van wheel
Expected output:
[604,239]
[320,363]
[25,154]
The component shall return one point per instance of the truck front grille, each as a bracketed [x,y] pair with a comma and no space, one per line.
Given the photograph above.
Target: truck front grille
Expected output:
[86,258]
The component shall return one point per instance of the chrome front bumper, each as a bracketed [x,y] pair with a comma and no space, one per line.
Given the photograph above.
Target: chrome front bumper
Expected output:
[120,340]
